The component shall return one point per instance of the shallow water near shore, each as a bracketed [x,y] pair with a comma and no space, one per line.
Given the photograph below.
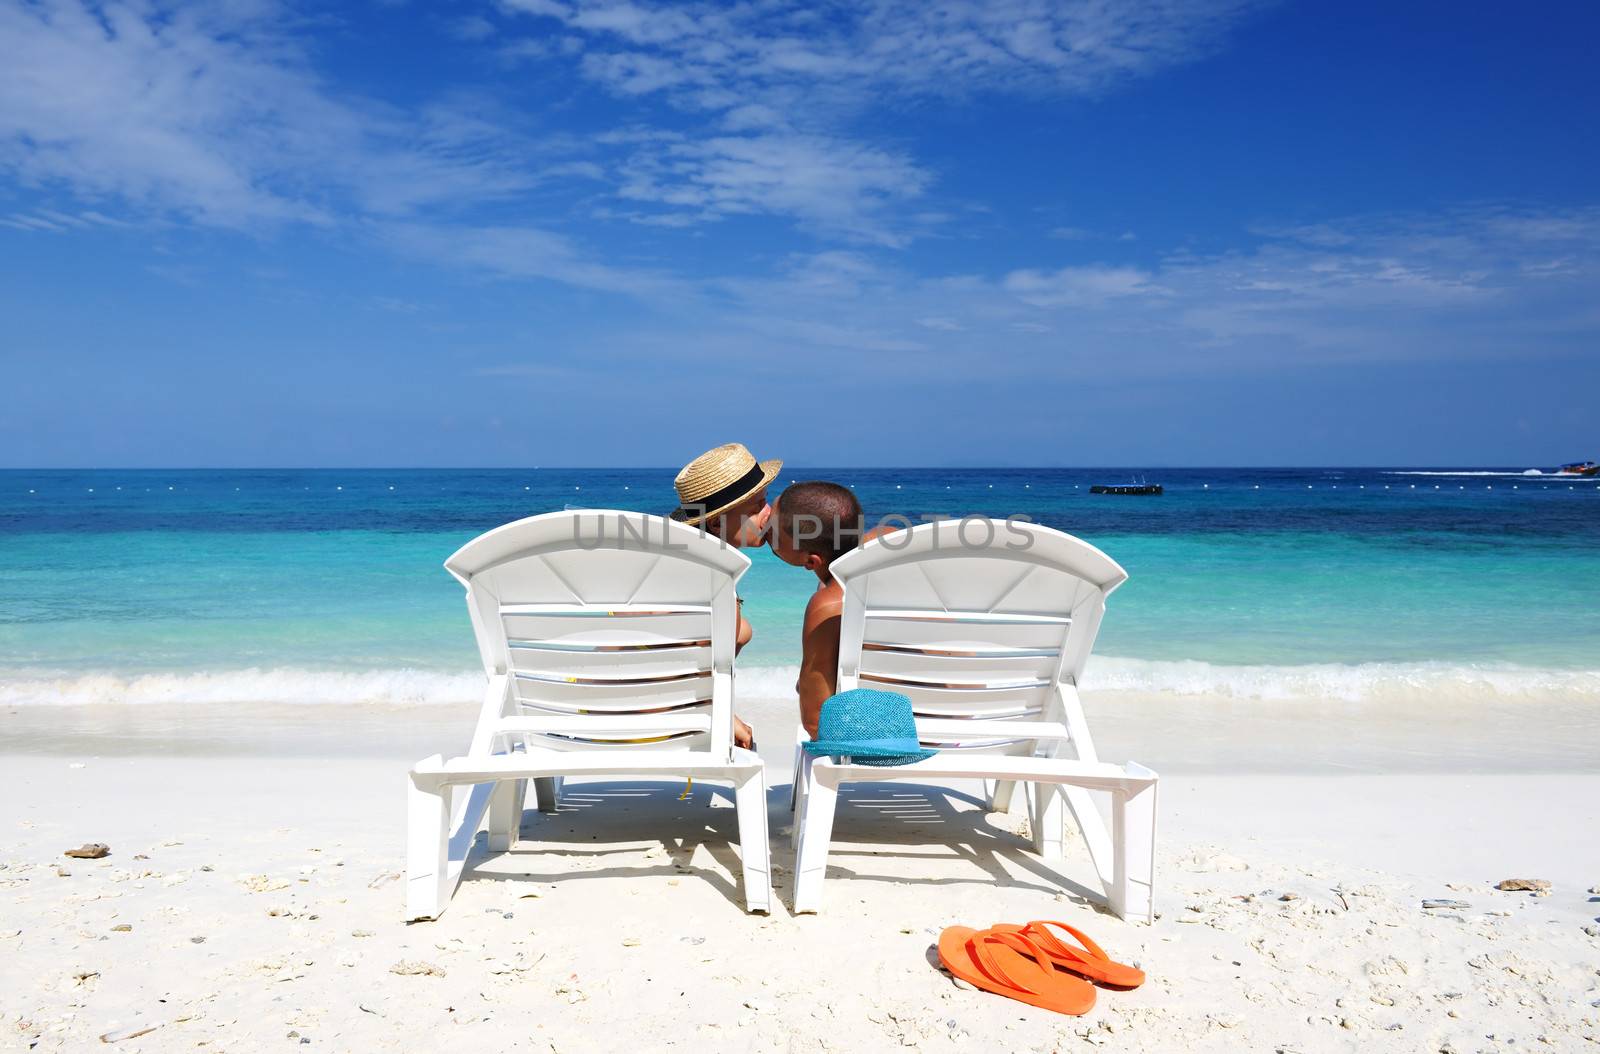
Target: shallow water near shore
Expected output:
[326,585]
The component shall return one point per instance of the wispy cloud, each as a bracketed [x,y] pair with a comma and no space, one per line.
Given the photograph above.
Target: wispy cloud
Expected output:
[788,78]
[717,56]
[527,253]
[213,113]
[57,221]
[1079,286]
[838,186]
[1456,285]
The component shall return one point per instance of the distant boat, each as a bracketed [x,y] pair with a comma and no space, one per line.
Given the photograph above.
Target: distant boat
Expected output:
[1579,468]
[1126,488]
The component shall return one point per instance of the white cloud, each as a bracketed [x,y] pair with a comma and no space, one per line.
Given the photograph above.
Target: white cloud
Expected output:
[472,28]
[838,186]
[57,221]
[793,77]
[1079,286]
[941,48]
[1458,285]
[528,253]
[211,112]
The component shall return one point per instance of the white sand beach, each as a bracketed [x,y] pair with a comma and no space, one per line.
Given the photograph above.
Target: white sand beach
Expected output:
[251,900]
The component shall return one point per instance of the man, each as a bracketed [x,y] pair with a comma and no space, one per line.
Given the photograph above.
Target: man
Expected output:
[724,493]
[813,524]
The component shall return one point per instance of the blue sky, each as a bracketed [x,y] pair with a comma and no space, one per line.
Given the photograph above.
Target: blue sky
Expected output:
[562,232]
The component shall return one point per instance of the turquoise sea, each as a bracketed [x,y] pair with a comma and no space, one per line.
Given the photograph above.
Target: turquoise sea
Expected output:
[326,585]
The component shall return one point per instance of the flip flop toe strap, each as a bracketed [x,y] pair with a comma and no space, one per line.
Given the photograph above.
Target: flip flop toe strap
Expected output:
[1040,932]
[978,943]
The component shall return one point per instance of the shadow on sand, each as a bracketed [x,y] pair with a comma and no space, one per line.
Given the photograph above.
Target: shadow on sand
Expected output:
[599,828]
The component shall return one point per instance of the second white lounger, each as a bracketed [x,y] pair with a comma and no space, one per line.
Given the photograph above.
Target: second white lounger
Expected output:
[986,626]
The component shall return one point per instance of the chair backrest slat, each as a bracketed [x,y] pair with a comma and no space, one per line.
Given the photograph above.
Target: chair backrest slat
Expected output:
[978,628]
[609,614]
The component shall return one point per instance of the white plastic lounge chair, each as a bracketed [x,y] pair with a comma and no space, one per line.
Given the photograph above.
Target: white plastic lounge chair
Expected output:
[608,640]
[988,635]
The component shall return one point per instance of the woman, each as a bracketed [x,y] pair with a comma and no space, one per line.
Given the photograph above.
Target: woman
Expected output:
[724,493]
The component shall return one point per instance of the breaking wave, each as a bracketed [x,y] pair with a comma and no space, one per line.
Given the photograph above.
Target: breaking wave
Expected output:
[1357,682]
[400,687]
[1422,682]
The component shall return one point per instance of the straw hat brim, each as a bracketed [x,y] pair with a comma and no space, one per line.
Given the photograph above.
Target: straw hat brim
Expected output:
[769,472]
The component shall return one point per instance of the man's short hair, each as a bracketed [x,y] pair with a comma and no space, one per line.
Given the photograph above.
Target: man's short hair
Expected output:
[822,518]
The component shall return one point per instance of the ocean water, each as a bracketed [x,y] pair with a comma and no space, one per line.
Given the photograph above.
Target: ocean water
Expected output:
[326,586]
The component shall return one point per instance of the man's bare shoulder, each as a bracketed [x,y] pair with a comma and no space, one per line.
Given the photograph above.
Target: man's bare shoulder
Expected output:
[824,604]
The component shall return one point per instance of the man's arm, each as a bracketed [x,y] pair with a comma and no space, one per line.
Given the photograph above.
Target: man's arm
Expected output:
[819,661]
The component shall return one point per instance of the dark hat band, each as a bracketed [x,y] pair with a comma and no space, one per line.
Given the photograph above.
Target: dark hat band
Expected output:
[722,496]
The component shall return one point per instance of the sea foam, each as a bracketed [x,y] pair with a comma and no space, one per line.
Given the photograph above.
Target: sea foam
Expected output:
[1421,682]
[401,687]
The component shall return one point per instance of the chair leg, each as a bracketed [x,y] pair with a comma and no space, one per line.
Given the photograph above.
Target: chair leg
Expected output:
[521,803]
[750,798]
[547,793]
[505,815]
[794,782]
[1133,840]
[1095,837]
[802,782]
[427,850]
[1000,794]
[1048,817]
[815,822]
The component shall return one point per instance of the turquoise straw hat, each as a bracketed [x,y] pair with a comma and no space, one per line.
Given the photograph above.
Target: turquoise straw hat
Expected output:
[869,727]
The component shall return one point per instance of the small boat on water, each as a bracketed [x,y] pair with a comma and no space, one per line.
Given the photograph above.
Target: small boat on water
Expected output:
[1125,488]
[1579,468]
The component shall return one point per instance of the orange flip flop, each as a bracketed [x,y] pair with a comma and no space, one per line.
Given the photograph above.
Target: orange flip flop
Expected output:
[1011,965]
[1089,960]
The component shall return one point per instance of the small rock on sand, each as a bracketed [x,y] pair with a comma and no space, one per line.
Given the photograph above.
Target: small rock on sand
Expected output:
[416,968]
[131,1032]
[122,927]
[90,851]
[1207,861]
[262,883]
[1532,885]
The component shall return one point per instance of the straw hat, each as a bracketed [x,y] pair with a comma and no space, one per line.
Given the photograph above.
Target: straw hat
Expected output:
[718,480]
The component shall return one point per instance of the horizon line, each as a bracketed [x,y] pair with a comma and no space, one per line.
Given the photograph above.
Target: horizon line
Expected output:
[1142,466]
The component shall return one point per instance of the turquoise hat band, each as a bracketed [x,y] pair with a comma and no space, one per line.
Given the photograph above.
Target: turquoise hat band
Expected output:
[868,726]
[894,746]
